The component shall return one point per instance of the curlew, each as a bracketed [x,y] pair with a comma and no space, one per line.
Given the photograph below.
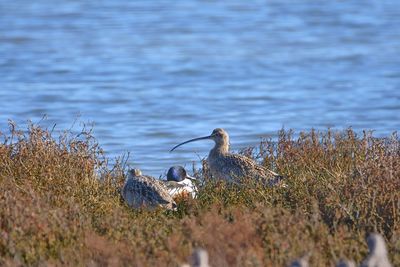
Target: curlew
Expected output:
[145,191]
[180,183]
[230,167]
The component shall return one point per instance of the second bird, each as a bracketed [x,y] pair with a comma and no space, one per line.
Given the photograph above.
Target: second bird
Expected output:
[179,183]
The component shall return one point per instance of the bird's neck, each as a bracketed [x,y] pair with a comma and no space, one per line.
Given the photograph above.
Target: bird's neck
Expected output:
[220,148]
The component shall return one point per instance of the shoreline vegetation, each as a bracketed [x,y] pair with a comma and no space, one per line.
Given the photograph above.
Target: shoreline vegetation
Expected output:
[60,204]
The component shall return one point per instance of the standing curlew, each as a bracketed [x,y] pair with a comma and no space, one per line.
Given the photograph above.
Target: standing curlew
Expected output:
[227,166]
[145,191]
[179,182]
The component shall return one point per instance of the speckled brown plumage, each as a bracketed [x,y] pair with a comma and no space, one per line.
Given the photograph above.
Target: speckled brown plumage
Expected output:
[145,191]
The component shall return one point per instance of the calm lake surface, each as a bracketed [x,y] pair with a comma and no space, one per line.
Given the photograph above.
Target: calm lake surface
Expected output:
[151,74]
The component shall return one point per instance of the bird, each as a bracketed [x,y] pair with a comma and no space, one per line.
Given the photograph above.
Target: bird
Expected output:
[302,261]
[145,191]
[179,183]
[199,258]
[228,166]
[377,252]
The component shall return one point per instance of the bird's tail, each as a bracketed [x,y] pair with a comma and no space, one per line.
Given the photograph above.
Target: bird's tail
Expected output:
[277,179]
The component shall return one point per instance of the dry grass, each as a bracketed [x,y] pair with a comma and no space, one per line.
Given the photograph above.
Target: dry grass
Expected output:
[60,205]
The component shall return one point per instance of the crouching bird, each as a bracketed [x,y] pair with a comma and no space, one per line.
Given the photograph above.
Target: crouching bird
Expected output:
[179,183]
[145,191]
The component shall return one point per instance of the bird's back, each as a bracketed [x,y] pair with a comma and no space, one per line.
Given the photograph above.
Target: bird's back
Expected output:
[146,191]
[231,167]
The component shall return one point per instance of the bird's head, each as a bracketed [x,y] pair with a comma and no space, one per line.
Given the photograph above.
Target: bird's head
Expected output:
[135,172]
[178,174]
[218,135]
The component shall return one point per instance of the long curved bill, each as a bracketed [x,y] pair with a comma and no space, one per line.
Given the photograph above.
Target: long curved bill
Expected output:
[191,140]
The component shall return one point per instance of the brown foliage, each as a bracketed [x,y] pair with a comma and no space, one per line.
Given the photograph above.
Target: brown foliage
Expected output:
[60,205]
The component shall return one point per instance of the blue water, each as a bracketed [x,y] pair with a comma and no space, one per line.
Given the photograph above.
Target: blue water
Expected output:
[151,74]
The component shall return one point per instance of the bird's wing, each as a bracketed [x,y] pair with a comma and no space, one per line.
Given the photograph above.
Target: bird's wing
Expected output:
[152,190]
[248,167]
[161,191]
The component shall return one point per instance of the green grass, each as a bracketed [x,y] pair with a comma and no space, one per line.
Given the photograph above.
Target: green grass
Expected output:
[60,205]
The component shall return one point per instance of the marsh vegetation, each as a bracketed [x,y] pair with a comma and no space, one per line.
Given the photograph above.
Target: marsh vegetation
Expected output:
[60,204]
